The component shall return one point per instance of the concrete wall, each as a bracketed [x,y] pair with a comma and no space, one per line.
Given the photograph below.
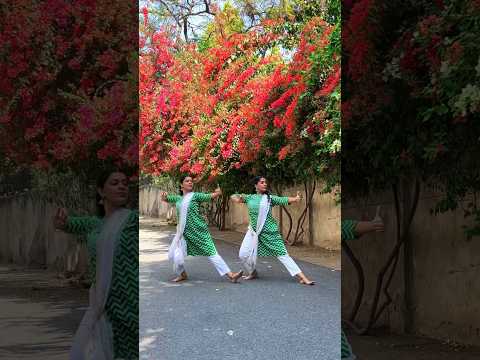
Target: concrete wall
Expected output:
[150,204]
[446,266]
[323,230]
[27,237]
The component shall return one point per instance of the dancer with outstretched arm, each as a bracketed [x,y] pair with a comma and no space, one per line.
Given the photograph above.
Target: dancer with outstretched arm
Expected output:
[263,237]
[109,328]
[193,237]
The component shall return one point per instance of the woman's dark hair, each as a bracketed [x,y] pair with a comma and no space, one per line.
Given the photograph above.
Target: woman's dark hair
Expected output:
[256,180]
[101,180]
[182,179]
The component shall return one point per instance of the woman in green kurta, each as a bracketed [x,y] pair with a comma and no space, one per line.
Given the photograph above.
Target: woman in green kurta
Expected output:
[120,304]
[195,236]
[268,241]
[352,229]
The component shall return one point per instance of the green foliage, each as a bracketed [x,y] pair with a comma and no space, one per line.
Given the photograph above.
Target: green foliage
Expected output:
[12,177]
[65,189]
[424,122]
[316,154]
[225,23]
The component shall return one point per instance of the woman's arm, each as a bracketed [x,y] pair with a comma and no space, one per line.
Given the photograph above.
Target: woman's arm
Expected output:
[78,225]
[216,193]
[295,199]
[238,198]
[365,227]
[285,200]
[352,229]
[163,196]
[204,197]
[172,199]
[60,219]
[348,229]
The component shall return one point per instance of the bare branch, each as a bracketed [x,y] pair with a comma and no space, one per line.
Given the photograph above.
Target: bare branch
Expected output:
[185,28]
[172,13]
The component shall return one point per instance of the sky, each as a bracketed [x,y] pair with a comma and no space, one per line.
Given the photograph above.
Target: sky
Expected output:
[202,20]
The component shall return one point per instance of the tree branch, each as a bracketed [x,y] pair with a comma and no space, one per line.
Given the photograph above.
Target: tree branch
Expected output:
[361,279]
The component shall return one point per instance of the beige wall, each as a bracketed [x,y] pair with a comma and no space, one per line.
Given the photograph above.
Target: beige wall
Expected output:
[27,237]
[446,290]
[150,204]
[325,226]
[324,230]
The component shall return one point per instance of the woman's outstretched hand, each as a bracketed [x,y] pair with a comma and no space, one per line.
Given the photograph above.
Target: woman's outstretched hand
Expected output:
[365,227]
[299,196]
[295,199]
[60,219]
[377,224]
[236,198]
[216,193]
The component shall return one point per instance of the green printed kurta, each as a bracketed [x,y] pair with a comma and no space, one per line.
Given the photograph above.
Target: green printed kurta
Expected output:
[122,302]
[270,241]
[348,229]
[196,233]
[348,233]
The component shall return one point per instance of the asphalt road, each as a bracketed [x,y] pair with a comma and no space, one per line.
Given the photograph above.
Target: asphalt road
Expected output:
[207,317]
[39,314]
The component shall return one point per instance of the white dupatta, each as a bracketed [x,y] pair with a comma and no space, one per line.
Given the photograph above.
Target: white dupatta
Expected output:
[178,248]
[248,250]
[94,337]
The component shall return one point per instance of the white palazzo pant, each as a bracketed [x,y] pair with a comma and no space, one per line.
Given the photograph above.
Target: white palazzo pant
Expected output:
[286,260]
[290,264]
[217,261]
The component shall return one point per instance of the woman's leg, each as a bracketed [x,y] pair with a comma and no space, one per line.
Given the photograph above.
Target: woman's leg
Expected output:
[244,254]
[219,264]
[293,269]
[252,273]
[223,268]
[290,264]
[181,273]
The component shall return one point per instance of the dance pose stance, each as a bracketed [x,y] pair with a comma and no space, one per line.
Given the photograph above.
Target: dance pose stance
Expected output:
[109,328]
[352,229]
[263,237]
[192,236]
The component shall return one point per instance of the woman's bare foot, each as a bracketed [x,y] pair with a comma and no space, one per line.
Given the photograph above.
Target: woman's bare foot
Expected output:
[234,276]
[252,276]
[182,277]
[302,279]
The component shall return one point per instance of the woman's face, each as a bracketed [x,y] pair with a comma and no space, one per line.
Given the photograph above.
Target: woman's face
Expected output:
[115,189]
[187,184]
[262,185]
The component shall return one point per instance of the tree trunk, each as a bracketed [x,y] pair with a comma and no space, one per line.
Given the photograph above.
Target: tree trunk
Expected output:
[278,191]
[392,260]
[223,213]
[361,280]
[310,217]
[290,225]
[408,265]
[301,220]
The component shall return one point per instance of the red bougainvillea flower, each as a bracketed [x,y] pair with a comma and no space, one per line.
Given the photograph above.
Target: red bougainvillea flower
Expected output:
[209,111]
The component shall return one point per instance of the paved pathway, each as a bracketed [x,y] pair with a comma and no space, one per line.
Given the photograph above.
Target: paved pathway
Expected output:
[397,347]
[272,318]
[39,314]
